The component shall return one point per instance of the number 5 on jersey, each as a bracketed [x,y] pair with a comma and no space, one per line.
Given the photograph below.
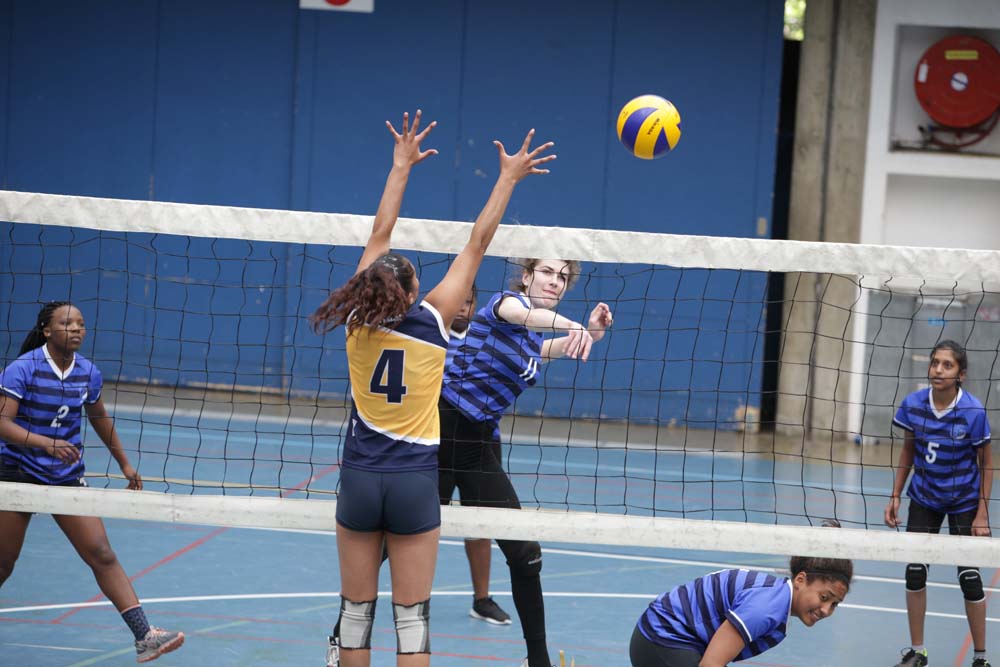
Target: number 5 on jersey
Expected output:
[387,378]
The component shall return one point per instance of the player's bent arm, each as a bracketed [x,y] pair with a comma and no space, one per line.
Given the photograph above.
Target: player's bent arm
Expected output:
[986,481]
[15,434]
[575,345]
[104,426]
[536,319]
[725,645]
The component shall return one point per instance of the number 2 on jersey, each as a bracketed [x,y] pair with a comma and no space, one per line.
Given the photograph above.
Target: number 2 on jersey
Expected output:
[387,378]
[60,415]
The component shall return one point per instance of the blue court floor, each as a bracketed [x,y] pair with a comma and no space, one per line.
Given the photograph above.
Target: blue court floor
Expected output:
[269,597]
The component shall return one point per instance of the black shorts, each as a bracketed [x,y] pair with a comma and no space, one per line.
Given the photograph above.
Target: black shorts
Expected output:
[923,519]
[402,503]
[10,472]
[470,458]
[644,653]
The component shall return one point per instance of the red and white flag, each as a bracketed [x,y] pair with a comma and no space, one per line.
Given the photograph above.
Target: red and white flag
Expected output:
[366,6]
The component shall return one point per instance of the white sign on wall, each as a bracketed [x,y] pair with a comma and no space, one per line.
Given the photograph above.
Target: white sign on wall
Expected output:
[365,6]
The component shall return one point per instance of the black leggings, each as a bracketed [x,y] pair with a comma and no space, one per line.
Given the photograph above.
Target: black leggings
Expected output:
[469,458]
[644,653]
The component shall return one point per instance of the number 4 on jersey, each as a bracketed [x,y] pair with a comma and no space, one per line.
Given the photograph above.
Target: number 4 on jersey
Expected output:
[387,378]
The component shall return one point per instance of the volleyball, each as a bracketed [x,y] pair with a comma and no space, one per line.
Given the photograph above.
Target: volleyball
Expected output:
[649,126]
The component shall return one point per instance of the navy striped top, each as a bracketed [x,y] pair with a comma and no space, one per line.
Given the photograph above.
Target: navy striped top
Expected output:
[946,476]
[494,364]
[50,403]
[757,604]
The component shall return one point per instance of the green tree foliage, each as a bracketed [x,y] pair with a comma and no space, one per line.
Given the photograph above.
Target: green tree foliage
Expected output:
[795,14]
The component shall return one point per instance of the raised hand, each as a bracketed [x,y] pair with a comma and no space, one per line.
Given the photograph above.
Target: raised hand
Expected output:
[407,150]
[525,161]
[600,320]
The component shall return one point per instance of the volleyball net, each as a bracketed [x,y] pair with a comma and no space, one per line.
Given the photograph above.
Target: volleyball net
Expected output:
[744,394]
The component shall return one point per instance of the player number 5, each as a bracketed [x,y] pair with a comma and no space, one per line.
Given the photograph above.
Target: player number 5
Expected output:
[931,455]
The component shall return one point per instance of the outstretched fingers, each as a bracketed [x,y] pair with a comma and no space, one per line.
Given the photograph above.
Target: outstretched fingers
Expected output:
[542,160]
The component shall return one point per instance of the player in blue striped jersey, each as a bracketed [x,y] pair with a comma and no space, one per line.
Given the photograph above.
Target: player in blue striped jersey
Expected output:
[947,445]
[396,348]
[43,395]
[500,358]
[736,614]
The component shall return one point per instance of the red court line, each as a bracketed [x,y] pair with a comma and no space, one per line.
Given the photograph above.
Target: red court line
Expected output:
[960,658]
[200,541]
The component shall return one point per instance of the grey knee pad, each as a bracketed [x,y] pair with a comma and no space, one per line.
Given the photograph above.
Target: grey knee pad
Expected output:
[971,583]
[916,577]
[528,561]
[356,619]
[413,621]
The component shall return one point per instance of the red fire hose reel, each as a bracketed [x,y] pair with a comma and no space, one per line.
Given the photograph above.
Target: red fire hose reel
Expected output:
[957,82]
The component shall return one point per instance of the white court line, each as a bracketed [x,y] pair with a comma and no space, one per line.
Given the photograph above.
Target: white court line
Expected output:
[299,440]
[55,648]
[388,594]
[651,559]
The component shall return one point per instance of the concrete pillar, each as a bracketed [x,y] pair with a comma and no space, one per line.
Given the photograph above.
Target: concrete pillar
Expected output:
[827,183]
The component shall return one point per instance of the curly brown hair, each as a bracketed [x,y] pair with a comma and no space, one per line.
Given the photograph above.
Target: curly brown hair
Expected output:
[377,296]
[522,264]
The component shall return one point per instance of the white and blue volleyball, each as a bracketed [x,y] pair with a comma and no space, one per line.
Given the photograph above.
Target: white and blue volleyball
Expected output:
[649,126]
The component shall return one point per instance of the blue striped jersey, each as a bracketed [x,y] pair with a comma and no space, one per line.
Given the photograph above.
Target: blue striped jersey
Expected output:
[756,603]
[946,476]
[50,403]
[455,340]
[497,361]
[396,383]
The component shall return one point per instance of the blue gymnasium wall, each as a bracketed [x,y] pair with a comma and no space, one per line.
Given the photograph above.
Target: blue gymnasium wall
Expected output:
[257,103]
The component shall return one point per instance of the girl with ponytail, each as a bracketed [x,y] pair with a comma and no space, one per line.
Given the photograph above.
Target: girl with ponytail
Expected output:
[396,346]
[43,395]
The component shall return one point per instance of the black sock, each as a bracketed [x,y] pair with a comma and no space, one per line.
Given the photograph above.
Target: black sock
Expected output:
[135,619]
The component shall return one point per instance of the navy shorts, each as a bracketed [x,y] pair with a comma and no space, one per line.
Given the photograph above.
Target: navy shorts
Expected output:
[402,503]
[15,473]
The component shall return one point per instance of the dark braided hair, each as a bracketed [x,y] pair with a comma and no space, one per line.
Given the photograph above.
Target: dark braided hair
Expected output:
[36,337]
[378,296]
[827,569]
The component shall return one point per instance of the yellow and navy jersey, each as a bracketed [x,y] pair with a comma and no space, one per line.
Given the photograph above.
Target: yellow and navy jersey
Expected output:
[396,383]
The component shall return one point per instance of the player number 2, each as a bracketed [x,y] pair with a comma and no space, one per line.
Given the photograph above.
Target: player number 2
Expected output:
[60,415]
[387,378]
[931,455]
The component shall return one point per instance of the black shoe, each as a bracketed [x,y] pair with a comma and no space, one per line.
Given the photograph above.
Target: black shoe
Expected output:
[913,659]
[980,662]
[485,609]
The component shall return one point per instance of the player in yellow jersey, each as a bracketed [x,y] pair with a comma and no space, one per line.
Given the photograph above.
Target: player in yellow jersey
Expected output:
[396,349]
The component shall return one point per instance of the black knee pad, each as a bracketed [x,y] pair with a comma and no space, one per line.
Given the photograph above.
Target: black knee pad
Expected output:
[971,583]
[527,561]
[916,577]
